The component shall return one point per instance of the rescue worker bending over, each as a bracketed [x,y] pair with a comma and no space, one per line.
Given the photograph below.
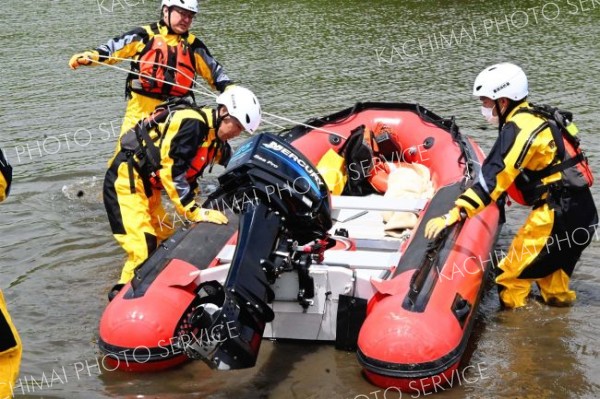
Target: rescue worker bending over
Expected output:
[170,150]
[10,343]
[536,159]
[165,59]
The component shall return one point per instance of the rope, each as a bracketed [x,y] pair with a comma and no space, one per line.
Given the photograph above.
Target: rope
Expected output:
[204,93]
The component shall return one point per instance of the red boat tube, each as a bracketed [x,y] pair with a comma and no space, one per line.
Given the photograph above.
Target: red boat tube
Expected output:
[141,326]
[419,321]
[409,317]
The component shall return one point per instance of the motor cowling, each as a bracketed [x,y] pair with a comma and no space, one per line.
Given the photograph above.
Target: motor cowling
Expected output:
[269,170]
[280,197]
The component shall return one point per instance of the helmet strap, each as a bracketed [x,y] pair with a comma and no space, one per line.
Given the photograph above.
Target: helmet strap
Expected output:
[502,116]
[218,119]
[167,22]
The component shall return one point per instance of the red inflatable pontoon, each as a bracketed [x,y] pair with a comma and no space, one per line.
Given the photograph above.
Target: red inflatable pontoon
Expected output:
[406,304]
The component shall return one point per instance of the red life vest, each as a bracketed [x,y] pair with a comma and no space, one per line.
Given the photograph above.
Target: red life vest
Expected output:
[575,170]
[516,195]
[378,176]
[161,70]
[204,157]
[386,147]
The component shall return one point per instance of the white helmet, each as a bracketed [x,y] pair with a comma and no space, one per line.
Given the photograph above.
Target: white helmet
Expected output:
[190,5]
[243,105]
[501,80]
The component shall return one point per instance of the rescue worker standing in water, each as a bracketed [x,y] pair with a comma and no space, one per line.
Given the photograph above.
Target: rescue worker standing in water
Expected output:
[170,150]
[165,60]
[10,343]
[536,160]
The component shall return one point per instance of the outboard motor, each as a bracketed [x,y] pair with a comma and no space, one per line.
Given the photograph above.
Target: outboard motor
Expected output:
[283,203]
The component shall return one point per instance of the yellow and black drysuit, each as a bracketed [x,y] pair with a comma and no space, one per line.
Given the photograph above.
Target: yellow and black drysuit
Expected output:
[139,42]
[5,177]
[563,217]
[186,143]
[10,343]
[10,352]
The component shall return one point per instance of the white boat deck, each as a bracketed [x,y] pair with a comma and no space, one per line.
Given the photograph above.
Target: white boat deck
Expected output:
[361,218]
[341,273]
[377,202]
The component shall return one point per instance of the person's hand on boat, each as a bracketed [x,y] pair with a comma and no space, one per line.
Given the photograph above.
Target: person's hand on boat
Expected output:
[207,215]
[84,58]
[435,226]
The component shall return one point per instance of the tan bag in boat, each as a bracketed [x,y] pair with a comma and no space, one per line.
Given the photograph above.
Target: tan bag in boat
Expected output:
[406,181]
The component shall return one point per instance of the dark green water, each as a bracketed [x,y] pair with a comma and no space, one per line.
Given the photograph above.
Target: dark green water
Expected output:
[303,59]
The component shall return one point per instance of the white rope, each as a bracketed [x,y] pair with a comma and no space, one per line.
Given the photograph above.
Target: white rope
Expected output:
[207,94]
[305,125]
[277,125]
[139,74]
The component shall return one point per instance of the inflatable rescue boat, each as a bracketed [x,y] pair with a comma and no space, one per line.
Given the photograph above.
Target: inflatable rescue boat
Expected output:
[296,262]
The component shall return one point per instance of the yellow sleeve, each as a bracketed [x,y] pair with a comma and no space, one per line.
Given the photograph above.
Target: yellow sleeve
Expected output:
[5,177]
[3,186]
[470,202]
[125,46]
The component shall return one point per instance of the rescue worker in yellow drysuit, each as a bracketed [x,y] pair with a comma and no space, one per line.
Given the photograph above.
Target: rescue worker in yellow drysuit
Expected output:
[10,343]
[535,163]
[167,56]
[184,141]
